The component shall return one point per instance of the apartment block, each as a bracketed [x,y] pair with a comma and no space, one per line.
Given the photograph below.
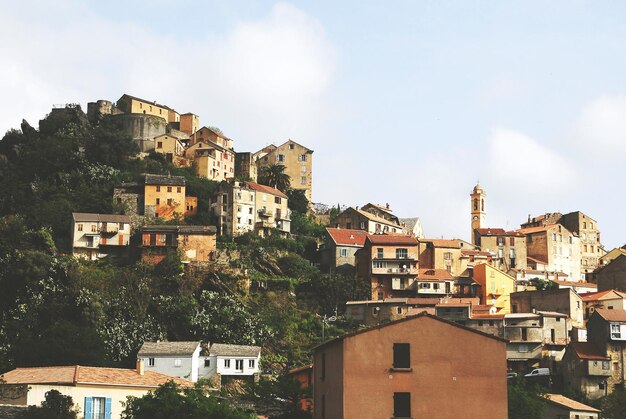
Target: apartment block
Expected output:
[298,162]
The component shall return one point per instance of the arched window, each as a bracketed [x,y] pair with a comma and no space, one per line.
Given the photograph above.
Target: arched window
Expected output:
[475,204]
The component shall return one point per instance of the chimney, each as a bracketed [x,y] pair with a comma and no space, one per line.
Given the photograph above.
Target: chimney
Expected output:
[140,366]
[529,218]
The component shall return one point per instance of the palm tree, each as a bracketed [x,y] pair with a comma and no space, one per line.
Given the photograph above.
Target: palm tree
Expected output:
[274,175]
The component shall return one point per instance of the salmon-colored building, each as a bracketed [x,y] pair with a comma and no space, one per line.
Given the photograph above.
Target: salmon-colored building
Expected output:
[418,367]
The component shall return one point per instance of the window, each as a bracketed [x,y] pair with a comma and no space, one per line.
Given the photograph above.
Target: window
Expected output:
[281,157]
[158,201]
[402,355]
[151,362]
[179,189]
[169,201]
[362,225]
[238,208]
[177,363]
[80,227]
[97,408]
[344,253]
[349,226]
[399,310]
[402,405]
[447,255]
[606,365]
[303,180]
[207,363]
[524,334]
[239,364]
[251,363]
[227,363]
[402,253]
[379,252]
[277,200]
[380,295]
[615,331]
[93,228]
[159,144]
[291,146]
[158,188]
[169,189]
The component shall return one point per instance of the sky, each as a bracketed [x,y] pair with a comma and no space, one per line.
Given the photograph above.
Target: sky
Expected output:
[404,102]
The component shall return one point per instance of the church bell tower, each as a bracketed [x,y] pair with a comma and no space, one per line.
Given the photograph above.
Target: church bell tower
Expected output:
[478,210]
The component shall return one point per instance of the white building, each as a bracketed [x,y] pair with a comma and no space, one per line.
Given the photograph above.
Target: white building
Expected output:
[95,236]
[187,360]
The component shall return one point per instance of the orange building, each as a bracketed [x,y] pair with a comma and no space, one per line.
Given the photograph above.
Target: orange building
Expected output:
[495,287]
[164,196]
[411,368]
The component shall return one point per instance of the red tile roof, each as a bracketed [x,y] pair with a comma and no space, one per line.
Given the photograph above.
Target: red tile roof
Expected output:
[536,260]
[446,243]
[600,295]
[475,253]
[345,237]
[392,239]
[77,374]
[497,232]
[587,350]
[575,284]
[539,229]
[265,189]
[433,274]
[570,404]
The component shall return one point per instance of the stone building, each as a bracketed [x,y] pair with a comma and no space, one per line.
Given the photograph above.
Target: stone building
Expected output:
[406,368]
[564,301]
[606,329]
[613,274]
[194,243]
[586,368]
[340,247]
[359,219]
[477,210]
[508,247]
[298,162]
[189,123]
[245,166]
[445,254]
[211,160]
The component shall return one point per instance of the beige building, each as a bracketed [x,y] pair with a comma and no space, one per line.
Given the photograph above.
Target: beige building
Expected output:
[132,104]
[557,248]
[452,255]
[211,160]
[209,134]
[98,392]
[508,247]
[171,147]
[495,287]
[247,206]
[95,236]
[298,162]
[563,300]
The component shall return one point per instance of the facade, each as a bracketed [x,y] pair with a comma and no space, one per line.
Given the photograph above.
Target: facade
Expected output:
[606,329]
[495,287]
[189,123]
[373,312]
[586,369]
[389,263]
[298,162]
[187,359]
[413,226]
[442,254]
[194,243]
[613,274]
[477,210]
[99,392]
[408,370]
[171,147]
[164,196]
[563,300]
[213,135]
[434,283]
[211,160]
[131,104]
[340,247]
[95,236]
[556,247]
[507,247]
[561,407]
[178,359]
[610,299]
[245,166]
[304,376]
[358,219]
[247,206]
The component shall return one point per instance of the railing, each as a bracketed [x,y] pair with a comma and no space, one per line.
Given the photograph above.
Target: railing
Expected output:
[111,228]
[387,270]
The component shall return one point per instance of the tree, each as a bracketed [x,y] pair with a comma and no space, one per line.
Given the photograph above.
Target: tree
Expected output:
[170,401]
[525,402]
[274,175]
[284,394]
[614,405]
[56,406]
[298,201]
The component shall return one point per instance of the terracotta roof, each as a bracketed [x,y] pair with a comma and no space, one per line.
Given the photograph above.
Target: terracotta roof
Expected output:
[106,218]
[433,274]
[536,260]
[461,300]
[429,301]
[447,243]
[475,253]
[539,229]
[168,348]
[302,368]
[169,180]
[497,232]
[422,314]
[602,295]
[587,350]
[265,189]
[575,284]
[376,218]
[612,315]
[345,237]
[570,404]
[76,375]
[223,349]
[392,239]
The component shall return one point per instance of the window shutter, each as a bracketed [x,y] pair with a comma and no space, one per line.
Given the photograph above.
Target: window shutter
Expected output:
[88,407]
[107,408]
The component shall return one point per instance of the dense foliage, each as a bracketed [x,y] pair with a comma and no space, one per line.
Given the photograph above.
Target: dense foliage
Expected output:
[525,401]
[55,406]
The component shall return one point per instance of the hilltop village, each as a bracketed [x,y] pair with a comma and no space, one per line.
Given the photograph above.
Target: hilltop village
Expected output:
[168,260]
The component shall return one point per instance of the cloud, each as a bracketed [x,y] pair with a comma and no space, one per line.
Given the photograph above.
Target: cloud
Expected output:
[601,127]
[262,79]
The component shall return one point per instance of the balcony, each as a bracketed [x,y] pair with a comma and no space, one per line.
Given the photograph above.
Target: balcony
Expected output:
[264,212]
[402,284]
[394,271]
[109,228]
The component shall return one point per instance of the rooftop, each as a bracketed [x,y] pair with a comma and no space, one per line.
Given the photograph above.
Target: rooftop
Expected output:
[168,348]
[447,243]
[392,239]
[587,350]
[168,180]
[223,349]
[265,189]
[104,218]
[76,375]
[570,404]
[497,232]
[179,229]
[612,315]
[345,237]
[433,274]
[603,295]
